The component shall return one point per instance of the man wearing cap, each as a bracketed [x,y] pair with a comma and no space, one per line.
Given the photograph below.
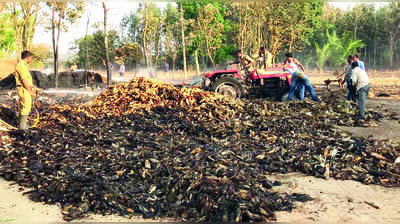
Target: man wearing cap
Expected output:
[25,88]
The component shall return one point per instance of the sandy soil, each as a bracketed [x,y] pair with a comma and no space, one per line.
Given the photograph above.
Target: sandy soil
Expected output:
[387,128]
[17,208]
[333,201]
[337,201]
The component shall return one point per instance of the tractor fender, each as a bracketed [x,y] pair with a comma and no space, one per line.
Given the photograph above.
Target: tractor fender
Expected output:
[214,75]
[233,80]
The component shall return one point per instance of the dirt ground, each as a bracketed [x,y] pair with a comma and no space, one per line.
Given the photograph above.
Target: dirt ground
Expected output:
[387,128]
[333,201]
[337,201]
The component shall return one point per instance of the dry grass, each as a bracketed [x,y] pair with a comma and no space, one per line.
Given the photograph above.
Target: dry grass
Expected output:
[379,79]
[382,82]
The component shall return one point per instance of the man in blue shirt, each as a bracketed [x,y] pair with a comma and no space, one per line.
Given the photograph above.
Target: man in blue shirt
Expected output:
[356,58]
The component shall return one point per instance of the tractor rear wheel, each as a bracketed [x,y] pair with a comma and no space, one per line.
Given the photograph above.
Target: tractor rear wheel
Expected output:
[228,86]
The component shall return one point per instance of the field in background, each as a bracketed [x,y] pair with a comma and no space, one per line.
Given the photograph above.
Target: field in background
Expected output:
[381,81]
[377,78]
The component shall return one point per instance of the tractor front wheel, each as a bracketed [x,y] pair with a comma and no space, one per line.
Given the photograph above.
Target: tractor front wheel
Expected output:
[228,86]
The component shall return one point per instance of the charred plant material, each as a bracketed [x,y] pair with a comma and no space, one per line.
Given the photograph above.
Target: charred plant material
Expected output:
[149,148]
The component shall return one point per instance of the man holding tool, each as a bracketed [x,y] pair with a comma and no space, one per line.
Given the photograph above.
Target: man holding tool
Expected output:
[25,88]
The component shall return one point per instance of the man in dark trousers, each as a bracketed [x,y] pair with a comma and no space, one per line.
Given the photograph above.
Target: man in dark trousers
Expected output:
[351,90]
[360,80]
[296,69]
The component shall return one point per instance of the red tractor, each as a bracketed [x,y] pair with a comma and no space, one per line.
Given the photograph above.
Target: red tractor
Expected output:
[269,82]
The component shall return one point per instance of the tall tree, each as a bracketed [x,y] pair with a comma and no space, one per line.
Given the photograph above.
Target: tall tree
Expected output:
[282,25]
[131,27]
[106,45]
[183,40]
[91,49]
[172,34]
[129,53]
[208,28]
[301,20]
[25,16]
[151,23]
[389,21]
[62,15]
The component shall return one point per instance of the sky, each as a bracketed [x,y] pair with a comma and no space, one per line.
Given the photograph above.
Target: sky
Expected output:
[117,9]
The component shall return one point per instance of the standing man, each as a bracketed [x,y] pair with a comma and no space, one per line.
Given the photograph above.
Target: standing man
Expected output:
[25,88]
[361,82]
[122,69]
[296,69]
[246,62]
[351,90]
[268,58]
[356,58]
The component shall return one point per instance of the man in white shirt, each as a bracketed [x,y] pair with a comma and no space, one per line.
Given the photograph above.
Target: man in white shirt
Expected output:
[361,82]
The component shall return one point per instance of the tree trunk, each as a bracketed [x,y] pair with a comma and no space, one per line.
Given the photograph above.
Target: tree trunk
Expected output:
[55,51]
[87,51]
[106,45]
[366,55]
[158,49]
[32,34]
[197,62]
[144,34]
[264,56]
[60,19]
[17,32]
[391,49]
[28,31]
[375,53]
[355,30]
[183,43]
[174,62]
